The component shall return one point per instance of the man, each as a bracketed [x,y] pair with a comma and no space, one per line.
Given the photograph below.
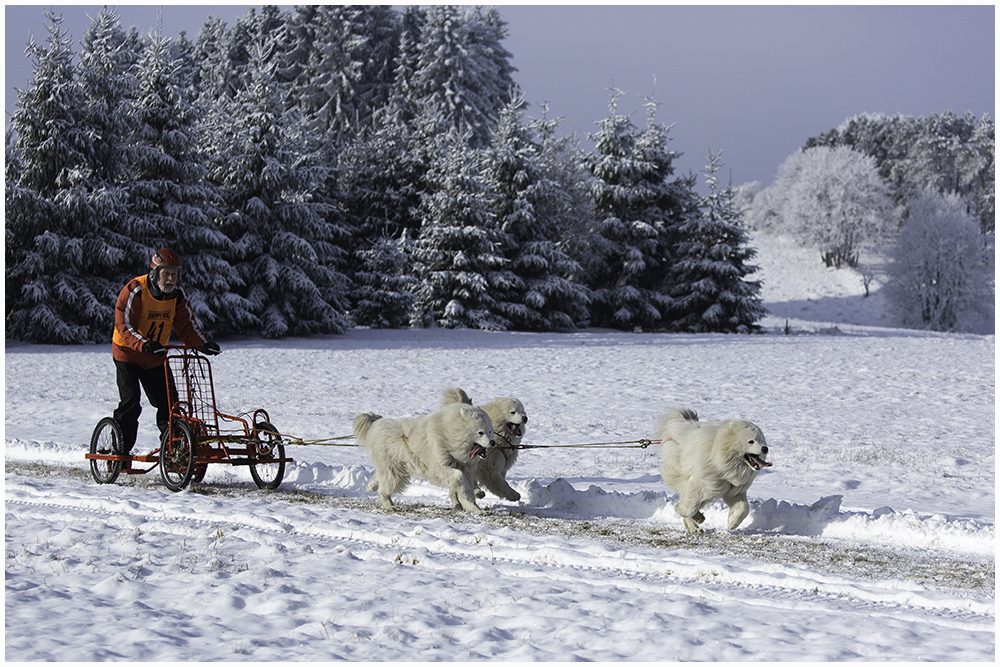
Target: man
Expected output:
[149,307]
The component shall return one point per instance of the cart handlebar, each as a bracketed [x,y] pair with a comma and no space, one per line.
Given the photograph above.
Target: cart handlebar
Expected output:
[205,349]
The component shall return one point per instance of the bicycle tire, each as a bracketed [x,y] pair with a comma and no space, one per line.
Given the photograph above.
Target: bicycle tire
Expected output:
[107,439]
[267,475]
[177,456]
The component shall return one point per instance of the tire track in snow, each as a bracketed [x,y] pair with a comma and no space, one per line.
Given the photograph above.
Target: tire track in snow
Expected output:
[444,545]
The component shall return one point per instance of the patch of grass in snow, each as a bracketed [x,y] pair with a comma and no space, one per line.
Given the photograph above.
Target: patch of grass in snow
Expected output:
[857,561]
[297,496]
[39,469]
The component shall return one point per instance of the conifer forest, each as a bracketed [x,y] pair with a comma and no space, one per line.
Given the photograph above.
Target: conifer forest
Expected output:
[329,167]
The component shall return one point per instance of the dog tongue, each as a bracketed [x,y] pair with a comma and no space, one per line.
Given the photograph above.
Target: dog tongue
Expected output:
[760,462]
[477,450]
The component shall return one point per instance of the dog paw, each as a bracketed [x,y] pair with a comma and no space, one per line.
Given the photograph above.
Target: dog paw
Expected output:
[480,494]
[513,496]
[692,526]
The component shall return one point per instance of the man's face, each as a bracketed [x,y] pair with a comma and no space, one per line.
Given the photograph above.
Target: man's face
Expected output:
[167,279]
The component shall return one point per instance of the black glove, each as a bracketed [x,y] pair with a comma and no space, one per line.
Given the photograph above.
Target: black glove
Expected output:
[152,347]
[211,348]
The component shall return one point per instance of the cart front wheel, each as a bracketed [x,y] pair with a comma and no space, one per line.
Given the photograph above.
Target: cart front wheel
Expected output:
[177,456]
[267,469]
[107,439]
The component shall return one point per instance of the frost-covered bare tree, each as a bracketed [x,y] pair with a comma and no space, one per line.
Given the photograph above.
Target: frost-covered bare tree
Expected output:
[944,152]
[941,275]
[830,198]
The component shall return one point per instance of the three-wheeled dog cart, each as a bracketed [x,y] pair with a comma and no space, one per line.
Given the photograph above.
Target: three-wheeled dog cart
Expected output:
[198,434]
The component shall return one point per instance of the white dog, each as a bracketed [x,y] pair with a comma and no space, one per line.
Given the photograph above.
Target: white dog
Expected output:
[509,422]
[703,461]
[443,447]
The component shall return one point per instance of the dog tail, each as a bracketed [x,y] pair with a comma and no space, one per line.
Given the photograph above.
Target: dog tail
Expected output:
[363,424]
[682,414]
[669,424]
[678,414]
[454,395]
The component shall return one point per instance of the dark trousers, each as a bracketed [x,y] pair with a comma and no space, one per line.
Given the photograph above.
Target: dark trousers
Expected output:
[154,383]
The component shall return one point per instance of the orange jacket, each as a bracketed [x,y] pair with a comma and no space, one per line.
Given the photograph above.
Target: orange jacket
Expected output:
[140,318]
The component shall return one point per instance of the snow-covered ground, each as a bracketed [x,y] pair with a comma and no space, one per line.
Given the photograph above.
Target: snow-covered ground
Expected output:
[871,538]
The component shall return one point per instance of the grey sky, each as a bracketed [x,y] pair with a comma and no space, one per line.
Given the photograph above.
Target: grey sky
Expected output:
[754,81]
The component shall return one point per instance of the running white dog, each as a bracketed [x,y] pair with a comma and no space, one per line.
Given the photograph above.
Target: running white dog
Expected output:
[443,447]
[509,422]
[703,461]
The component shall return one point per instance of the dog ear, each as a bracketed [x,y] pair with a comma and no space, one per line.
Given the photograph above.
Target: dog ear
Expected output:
[470,412]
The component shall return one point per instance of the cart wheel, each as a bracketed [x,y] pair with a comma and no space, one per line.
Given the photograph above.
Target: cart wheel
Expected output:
[177,456]
[269,446]
[107,439]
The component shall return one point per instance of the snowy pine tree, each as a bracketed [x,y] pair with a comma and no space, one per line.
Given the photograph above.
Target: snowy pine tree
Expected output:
[980,174]
[528,209]
[185,78]
[285,250]
[458,253]
[381,178]
[330,81]
[67,253]
[402,95]
[379,53]
[212,78]
[107,78]
[637,210]
[708,286]
[463,74]
[171,201]
[383,285]
[562,161]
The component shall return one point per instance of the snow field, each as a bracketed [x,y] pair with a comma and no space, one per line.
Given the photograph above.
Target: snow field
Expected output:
[871,538]
[199,580]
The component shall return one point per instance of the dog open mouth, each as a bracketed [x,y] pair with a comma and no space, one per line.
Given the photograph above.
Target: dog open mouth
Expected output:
[756,462]
[515,429]
[477,450]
